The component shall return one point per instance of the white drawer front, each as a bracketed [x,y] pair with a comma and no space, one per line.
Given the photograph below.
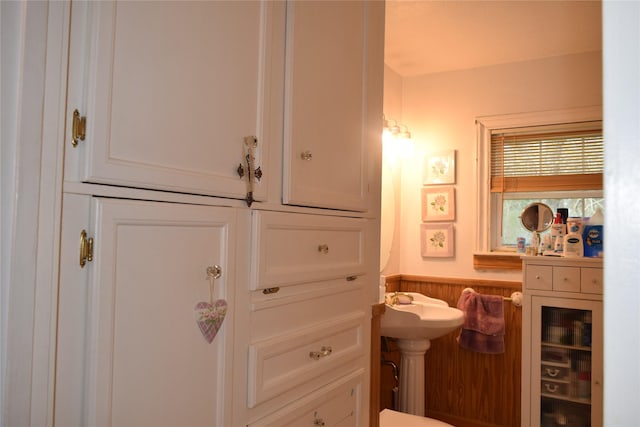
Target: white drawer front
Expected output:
[284,362]
[299,306]
[539,277]
[566,279]
[335,405]
[296,248]
[591,280]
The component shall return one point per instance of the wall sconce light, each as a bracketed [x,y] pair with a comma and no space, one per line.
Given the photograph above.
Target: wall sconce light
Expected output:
[396,138]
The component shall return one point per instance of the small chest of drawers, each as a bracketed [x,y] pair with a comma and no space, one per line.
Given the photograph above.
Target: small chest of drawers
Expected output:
[309,327]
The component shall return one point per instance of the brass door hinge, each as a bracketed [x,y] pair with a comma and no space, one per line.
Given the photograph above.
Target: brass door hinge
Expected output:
[86,248]
[78,128]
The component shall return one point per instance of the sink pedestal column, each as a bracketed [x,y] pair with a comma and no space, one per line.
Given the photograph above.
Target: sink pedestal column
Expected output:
[411,394]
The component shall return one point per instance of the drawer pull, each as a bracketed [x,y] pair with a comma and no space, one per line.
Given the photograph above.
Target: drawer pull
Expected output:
[551,388]
[306,155]
[269,291]
[318,422]
[323,249]
[324,352]
[552,372]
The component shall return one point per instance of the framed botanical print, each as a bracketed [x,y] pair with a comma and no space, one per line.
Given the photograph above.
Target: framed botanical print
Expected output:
[439,168]
[436,240]
[438,203]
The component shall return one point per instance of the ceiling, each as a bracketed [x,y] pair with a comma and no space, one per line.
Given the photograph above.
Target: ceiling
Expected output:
[431,36]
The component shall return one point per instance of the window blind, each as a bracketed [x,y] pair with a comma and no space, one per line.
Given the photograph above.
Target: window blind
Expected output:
[547,158]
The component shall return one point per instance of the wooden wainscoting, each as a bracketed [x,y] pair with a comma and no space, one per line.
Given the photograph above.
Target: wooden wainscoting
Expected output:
[464,388]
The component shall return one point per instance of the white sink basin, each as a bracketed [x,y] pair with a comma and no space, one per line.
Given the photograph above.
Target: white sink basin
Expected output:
[424,318]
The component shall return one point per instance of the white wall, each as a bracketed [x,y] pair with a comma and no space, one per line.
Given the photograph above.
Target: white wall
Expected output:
[10,19]
[441,109]
[621,29]
[392,169]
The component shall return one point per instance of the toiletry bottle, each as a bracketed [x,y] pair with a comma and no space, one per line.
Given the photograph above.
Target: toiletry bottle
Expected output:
[586,329]
[593,234]
[558,231]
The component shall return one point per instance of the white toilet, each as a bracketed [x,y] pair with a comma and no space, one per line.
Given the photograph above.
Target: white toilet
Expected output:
[389,418]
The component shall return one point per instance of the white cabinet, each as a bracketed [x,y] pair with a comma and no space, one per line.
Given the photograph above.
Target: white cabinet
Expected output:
[562,342]
[129,349]
[330,100]
[170,90]
[310,333]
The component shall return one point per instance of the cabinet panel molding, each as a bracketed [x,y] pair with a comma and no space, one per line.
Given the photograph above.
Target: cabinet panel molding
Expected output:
[288,361]
[135,330]
[298,248]
[169,109]
[326,138]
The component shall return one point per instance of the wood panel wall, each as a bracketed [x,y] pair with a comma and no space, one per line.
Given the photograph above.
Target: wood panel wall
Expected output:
[464,388]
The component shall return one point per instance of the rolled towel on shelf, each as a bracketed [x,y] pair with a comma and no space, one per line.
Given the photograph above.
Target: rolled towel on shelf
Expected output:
[483,327]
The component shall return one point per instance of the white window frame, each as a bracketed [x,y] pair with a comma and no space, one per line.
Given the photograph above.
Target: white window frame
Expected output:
[485,125]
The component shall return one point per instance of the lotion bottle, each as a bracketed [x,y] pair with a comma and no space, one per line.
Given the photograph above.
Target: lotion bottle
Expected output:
[573,246]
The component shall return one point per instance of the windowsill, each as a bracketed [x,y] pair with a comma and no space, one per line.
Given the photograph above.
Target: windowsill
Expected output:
[497,261]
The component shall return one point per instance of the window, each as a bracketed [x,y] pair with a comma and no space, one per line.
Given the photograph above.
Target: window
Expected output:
[552,157]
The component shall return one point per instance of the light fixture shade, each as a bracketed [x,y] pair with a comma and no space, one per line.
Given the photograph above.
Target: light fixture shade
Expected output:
[396,138]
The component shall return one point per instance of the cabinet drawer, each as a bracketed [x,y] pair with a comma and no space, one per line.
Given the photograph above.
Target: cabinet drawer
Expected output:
[539,277]
[281,363]
[554,388]
[591,280]
[299,306]
[335,405]
[566,279]
[297,248]
[554,371]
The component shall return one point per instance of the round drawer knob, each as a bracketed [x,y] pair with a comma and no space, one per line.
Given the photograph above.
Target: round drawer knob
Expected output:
[306,155]
[323,249]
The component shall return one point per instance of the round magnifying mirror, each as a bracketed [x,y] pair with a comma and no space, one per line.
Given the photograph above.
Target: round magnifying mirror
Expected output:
[537,217]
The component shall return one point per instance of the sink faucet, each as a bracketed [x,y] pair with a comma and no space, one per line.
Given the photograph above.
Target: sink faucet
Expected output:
[400,298]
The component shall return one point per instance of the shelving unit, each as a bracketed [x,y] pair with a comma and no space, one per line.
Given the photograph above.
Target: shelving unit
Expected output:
[562,342]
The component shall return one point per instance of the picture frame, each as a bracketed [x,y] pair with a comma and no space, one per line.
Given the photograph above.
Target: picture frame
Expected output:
[437,240]
[439,168]
[438,203]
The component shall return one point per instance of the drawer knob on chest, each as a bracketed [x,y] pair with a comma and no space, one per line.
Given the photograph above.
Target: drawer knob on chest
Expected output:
[551,388]
[324,352]
[323,249]
[306,155]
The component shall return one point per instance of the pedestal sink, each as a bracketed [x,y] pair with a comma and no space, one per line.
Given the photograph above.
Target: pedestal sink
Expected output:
[415,323]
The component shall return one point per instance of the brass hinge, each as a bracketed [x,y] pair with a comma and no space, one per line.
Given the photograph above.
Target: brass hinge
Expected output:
[78,128]
[86,248]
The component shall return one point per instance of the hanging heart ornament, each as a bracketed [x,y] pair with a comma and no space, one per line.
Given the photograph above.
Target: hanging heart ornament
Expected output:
[209,317]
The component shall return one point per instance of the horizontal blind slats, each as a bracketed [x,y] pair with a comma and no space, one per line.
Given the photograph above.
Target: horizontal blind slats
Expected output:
[546,154]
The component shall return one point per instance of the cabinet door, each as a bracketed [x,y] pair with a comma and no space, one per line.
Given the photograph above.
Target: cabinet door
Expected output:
[325,133]
[170,90]
[565,372]
[130,352]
